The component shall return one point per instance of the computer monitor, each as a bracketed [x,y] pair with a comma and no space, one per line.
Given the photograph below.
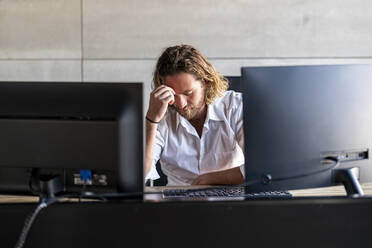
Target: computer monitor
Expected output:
[70,137]
[307,126]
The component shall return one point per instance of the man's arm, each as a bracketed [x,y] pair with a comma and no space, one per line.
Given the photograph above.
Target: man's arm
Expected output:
[160,98]
[150,141]
[225,177]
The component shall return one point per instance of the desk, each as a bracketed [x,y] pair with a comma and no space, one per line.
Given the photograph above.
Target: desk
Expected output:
[299,222]
[325,191]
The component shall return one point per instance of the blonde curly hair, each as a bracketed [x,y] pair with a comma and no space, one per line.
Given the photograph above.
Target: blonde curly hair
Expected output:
[185,58]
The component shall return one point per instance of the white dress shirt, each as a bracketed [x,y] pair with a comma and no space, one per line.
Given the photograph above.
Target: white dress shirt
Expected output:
[184,155]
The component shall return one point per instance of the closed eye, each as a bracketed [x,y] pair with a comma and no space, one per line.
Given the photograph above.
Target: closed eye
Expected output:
[188,93]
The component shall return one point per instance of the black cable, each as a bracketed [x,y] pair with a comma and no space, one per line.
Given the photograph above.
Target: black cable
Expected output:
[30,220]
[335,159]
[47,202]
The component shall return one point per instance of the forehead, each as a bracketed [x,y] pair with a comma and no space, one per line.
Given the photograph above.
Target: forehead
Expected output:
[182,81]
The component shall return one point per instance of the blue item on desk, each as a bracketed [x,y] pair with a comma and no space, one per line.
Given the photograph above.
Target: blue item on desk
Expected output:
[86,175]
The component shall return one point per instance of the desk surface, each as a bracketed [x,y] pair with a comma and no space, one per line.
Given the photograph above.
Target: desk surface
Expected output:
[325,191]
[314,192]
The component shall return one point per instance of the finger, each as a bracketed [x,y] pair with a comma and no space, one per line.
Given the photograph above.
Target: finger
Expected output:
[165,94]
[160,91]
[163,91]
[168,97]
[172,90]
[170,100]
[167,87]
[164,87]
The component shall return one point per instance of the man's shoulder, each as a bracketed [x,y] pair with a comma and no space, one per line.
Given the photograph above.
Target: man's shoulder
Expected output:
[231,99]
[223,108]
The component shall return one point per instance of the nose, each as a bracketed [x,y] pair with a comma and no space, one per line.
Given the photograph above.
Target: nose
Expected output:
[180,101]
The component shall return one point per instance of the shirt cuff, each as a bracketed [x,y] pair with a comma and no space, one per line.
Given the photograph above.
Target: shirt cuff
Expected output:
[242,170]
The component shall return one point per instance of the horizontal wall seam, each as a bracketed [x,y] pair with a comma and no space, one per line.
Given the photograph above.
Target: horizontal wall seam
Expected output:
[210,58]
[243,58]
[41,59]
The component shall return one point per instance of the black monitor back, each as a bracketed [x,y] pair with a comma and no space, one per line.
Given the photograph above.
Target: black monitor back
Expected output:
[296,116]
[62,128]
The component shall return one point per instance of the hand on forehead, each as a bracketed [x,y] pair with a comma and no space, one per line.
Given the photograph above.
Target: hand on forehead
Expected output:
[182,82]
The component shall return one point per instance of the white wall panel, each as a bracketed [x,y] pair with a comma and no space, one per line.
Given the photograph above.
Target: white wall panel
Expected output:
[41,39]
[229,28]
[40,29]
[40,70]
[121,71]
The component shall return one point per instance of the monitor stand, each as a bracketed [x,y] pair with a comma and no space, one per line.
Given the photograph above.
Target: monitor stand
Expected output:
[349,178]
[45,185]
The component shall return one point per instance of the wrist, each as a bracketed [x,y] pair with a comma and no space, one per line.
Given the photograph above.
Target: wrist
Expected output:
[151,121]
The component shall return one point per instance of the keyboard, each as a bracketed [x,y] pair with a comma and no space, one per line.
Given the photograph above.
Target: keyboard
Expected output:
[223,192]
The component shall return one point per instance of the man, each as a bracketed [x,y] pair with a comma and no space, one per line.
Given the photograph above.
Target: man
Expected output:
[193,125]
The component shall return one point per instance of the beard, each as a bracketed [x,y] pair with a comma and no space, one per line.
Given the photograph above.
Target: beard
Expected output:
[190,111]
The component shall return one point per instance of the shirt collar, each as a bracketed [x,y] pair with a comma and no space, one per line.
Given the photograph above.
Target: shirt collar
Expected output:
[215,112]
[178,118]
[183,122]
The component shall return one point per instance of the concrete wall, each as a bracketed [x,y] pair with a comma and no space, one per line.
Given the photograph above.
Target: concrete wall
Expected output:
[119,40]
